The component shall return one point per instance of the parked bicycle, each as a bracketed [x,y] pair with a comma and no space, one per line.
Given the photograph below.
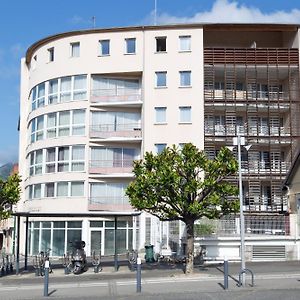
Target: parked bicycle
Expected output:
[41,259]
[132,257]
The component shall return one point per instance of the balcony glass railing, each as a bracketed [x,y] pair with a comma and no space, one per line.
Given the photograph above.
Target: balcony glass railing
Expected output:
[109,203]
[106,166]
[116,95]
[130,130]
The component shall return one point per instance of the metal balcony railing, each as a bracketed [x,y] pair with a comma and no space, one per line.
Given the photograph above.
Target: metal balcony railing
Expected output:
[115,95]
[223,130]
[129,130]
[220,94]
[254,225]
[257,166]
[111,166]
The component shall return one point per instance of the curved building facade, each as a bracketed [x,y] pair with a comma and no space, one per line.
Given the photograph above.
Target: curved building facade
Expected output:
[93,101]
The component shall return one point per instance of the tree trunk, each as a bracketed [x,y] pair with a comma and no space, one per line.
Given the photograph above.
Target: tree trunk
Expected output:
[189,247]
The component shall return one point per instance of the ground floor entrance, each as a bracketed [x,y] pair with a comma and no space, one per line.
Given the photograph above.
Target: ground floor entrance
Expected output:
[99,235]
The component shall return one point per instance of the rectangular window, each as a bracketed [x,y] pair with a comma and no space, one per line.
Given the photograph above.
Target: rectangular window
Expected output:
[160,148]
[130,46]
[77,158]
[185,78]
[53,91]
[65,89]
[51,54]
[62,189]
[161,44]
[51,125]
[161,79]
[50,160]
[78,123]
[77,188]
[37,191]
[64,123]
[39,128]
[80,87]
[63,159]
[185,43]
[185,114]
[49,189]
[75,49]
[104,47]
[160,114]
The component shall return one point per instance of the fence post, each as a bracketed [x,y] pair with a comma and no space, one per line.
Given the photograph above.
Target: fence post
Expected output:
[225,273]
[46,279]
[138,276]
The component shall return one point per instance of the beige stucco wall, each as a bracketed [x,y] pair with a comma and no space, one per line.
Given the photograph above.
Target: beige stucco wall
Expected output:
[173,96]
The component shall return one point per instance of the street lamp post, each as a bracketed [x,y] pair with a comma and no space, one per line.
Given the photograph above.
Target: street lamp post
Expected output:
[240,141]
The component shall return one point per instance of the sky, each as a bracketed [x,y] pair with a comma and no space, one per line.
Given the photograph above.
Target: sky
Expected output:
[25,22]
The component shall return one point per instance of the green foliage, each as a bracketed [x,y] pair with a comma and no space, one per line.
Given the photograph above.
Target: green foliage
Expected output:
[9,194]
[184,184]
[204,229]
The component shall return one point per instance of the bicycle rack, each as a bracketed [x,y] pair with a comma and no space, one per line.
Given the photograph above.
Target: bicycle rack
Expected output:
[96,262]
[66,263]
[36,266]
[245,271]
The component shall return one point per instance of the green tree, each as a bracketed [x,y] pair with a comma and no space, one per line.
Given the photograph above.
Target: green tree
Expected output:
[9,194]
[184,185]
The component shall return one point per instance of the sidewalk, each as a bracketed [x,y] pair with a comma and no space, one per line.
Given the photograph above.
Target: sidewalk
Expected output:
[158,282]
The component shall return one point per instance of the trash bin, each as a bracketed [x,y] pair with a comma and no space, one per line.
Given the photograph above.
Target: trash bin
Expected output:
[149,253]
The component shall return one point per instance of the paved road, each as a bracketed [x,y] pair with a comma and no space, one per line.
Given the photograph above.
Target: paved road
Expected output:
[274,281]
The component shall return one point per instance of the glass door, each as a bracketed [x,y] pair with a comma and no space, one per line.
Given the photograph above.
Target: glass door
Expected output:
[97,241]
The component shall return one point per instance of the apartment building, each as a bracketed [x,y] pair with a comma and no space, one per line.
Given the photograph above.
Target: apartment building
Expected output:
[93,101]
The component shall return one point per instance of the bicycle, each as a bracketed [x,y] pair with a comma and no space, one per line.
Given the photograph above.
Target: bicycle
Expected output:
[132,257]
[42,258]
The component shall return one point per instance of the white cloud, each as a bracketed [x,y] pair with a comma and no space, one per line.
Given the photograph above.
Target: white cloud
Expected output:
[78,20]
[228,11]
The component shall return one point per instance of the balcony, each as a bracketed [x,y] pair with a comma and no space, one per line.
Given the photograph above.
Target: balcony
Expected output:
[226,130]
[104,131]
[116,96]
[262,167]
[244,95]
[109,203]
[111,166]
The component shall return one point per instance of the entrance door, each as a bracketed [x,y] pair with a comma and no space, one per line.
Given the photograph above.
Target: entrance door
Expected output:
[97,241]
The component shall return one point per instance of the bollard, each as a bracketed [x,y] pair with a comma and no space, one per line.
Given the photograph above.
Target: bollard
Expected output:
[225,273]
[139,276]
[46,279]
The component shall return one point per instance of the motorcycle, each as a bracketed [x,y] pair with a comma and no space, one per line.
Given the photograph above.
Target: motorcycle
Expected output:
[78,259]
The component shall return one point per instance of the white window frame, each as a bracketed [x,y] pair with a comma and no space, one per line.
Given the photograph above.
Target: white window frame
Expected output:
[128,40]
[160,112]
[159,147]
[183,38]
[157,50]
[157,74]
[182,78]
[182,117]
[75,49]
[101,43]
[50,54]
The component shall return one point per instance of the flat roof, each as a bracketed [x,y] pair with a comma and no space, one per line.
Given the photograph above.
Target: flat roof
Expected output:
[76,215]
[205,26]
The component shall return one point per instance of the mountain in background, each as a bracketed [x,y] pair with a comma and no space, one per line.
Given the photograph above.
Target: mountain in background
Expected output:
[5,170]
